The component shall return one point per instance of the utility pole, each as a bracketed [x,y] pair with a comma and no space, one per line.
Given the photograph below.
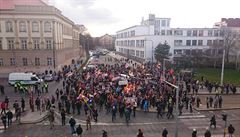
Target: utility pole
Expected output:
[222,73]
[177,100]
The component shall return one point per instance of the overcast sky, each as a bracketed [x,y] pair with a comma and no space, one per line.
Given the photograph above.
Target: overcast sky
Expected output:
[109,16]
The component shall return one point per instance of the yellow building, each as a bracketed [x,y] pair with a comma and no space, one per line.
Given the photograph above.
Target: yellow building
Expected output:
[35,36]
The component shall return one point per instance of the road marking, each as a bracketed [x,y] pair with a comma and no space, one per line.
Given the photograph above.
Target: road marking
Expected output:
[202,127]
[218,135]
[189,117]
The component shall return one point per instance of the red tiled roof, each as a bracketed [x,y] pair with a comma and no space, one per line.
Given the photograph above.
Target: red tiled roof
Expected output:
[9,4]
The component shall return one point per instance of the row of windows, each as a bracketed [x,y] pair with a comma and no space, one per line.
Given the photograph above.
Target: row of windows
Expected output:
[191,33]
[188,42]
[198,51]
[25,62]
[137,43]
[23,26]
[164,23]
[126,34]
[24,44]
[137,53]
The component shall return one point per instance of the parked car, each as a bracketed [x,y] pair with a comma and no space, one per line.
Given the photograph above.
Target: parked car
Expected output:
[48,78]
[23,78]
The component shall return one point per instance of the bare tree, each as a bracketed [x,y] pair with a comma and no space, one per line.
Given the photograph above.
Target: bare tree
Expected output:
[230,37]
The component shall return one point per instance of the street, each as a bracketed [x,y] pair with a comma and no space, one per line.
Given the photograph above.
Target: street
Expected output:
[147,121]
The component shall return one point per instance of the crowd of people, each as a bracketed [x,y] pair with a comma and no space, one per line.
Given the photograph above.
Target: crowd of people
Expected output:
[120,89]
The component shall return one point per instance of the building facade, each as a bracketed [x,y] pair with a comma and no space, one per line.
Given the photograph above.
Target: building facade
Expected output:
[141,40]
[35,36]
[107,42]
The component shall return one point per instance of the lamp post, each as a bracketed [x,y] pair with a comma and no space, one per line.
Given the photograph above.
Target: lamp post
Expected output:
[222,73]
[177,100]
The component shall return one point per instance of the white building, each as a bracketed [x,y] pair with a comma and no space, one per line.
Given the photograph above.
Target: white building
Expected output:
[141,40]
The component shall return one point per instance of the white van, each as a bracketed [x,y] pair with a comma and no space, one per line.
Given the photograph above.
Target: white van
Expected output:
[23,78]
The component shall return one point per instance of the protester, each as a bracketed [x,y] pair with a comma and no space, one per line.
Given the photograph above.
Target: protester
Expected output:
[231,130]
[9,115]
[79,130]
[207,133]
[63,115]
[72,123]
[164,133]
[140,133]
[88,122]
[194,133]
[4,121]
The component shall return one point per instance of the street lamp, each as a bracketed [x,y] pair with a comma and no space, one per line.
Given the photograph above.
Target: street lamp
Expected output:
[222,73]
[176,113]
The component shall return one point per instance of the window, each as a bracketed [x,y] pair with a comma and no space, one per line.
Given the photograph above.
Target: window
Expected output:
[187,52]
[177,51]
[215,42]
[1,62]
[210,32]
[133,43]
[222,33]
[11,44]
[22,26]
[49,61]
[162,32]
[221,43]
[47,27]
[163,23]
[49,44]
[142,43]
[36,44]
[1,45]
[194,42]
[200,33]
[169,32]
[9,26]
[132,52]
[142,54]
[35,27]
[200,42]
[178,32]
[12,62]
[137,43]
[177,42]
[132,33]
[25,62]
[24,44]
[34,79]
[194,32]
[209,42]
[137,53]
[37,61]
[216,33]
[188,42]
[189,33]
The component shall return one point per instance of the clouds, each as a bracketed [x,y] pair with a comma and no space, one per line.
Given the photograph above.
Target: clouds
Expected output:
[109,16]
[85,12]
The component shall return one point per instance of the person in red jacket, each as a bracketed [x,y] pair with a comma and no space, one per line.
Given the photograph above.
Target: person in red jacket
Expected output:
[3,107]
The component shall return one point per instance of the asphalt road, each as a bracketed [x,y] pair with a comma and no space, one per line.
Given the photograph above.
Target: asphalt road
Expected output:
[151,126]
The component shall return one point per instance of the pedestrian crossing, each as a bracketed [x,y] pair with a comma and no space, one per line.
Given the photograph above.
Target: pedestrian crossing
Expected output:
[201,122]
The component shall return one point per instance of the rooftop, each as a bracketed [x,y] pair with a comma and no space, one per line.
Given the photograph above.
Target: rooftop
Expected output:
[10,4]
